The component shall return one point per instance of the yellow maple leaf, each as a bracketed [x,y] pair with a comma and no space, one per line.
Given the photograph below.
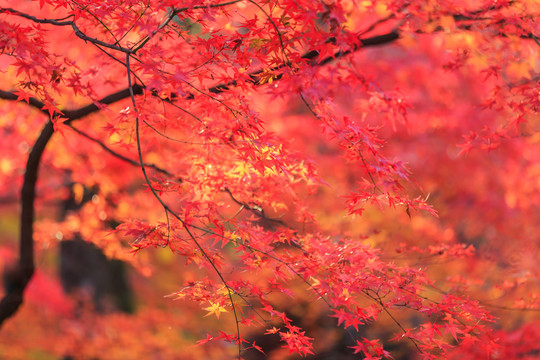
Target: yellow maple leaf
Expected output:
[214,308]
[242,168]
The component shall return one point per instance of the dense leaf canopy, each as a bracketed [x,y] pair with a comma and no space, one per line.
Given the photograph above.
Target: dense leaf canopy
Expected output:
[336,175]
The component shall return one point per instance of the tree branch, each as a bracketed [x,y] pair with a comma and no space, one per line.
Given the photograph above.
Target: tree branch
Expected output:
[71,115]
[35,19]
[118,155]
[8,95]
[312,55]
[76,30]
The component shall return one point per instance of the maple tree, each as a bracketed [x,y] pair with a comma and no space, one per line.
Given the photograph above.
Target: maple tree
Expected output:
[370,163]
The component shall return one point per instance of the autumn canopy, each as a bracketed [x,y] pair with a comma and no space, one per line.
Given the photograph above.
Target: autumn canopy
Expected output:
[284,178]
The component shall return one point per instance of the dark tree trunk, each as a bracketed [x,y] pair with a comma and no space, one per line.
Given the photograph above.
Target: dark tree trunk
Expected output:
[84,267]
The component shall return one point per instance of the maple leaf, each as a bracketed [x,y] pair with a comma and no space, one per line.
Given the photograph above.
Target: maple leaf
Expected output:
[22,95]
[241,169]
[215,308]
[51,108]
[273,330]
[341,315]
[204,341]
[353,321]
[360,347]
[258,348]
